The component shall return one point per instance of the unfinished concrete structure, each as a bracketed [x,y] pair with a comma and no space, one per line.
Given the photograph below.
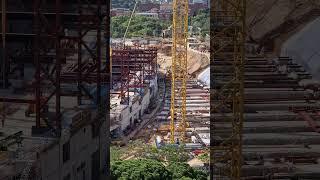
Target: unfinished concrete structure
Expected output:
[54,83]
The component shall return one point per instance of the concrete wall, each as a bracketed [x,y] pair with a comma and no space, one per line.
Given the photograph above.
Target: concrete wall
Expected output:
[136,108]
[82,146]
[154,86]
[125,118]
[145,102]
[304,48]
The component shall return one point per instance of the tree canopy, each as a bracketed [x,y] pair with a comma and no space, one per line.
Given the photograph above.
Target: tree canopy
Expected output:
[149,169]
[140,149]
[202,20]
[184,171]
[139,169]
[139,161]
[140,26]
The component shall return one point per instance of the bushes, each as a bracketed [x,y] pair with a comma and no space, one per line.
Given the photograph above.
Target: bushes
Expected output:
[139,169]
[140,26]
[184,171]
[149,169]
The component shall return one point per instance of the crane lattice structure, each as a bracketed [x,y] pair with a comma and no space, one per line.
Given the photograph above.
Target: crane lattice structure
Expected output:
[227,58]
[179,66]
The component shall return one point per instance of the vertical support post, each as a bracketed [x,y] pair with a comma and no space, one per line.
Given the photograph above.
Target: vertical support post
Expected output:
[98,60]
[4,49]
[58,63]
[79,74]
[36,56]
[109,71]
[227,44]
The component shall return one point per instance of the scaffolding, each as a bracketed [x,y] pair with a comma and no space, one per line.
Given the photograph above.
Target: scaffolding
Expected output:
[227,40]
[179,68]
[133,68]
[48,46]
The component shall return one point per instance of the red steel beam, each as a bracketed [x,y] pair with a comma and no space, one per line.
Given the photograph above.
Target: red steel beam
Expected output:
[131,61]
[17,100]
[86,72]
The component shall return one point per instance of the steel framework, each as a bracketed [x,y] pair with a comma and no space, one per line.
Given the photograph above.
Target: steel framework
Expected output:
[179,66]
[48,46]
[227,47]
[135,66]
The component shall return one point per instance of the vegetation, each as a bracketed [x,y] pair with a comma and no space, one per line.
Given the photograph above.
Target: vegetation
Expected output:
[167,163]
[205,155]
[184,171]
[115,153]
[146,26]
[144,169]
[202,21]
[139,169]
[140,26]
[142,150]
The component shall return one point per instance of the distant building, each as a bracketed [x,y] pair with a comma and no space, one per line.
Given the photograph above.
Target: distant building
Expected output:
[120,12]
[165,11]
[148,14]
[166,7]
[193,8]
[144,7]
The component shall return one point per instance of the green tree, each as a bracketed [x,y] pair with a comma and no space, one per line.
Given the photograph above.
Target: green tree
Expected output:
[202,20]
[204,157]
[115,153]
[173,154]
[139,169]
[140,26]
[185,171]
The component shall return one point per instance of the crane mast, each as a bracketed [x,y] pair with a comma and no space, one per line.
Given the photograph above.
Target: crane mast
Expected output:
[228,56]
[179,67]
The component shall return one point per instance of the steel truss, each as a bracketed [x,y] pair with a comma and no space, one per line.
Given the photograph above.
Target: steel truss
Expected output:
[227,47]
[52,50]
[179,68]
[137,67]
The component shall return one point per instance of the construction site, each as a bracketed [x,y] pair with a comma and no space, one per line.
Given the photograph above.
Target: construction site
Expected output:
[248,96]
[261,119]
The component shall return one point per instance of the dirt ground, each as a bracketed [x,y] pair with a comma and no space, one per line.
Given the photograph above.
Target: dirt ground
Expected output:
[196,61]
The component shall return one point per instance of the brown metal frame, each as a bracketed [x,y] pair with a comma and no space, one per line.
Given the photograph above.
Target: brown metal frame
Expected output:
[50,46]
[131,61]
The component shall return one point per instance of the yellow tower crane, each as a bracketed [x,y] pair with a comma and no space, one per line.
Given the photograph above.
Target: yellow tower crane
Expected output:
[228,56]
[179,67]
